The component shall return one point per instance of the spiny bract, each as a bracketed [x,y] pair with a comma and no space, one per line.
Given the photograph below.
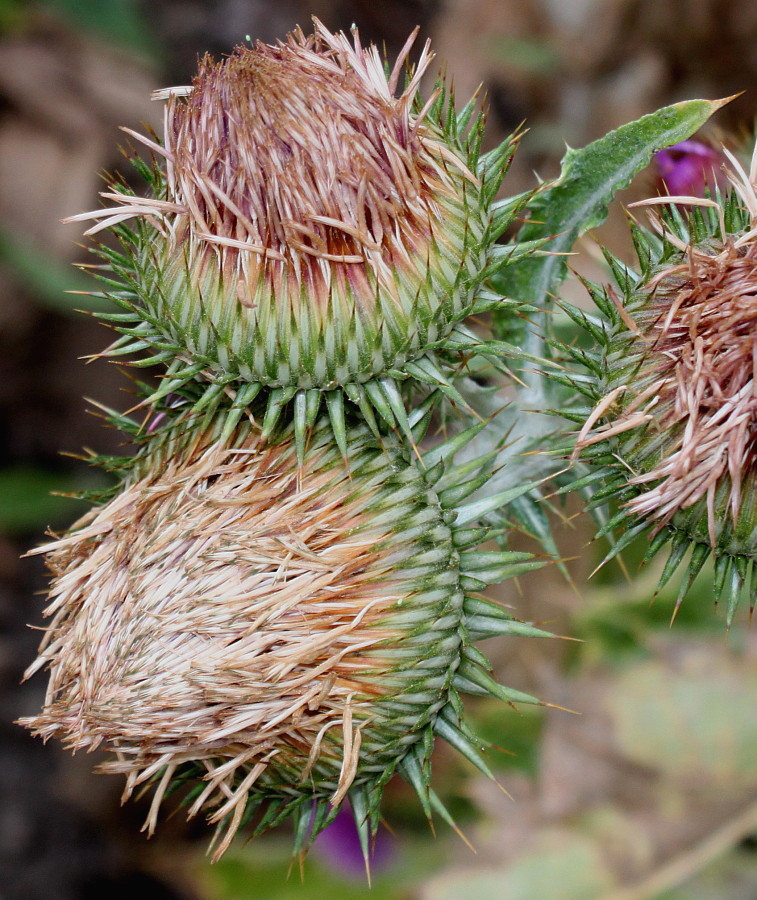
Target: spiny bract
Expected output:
[673,425]
[271,636]
[310,232]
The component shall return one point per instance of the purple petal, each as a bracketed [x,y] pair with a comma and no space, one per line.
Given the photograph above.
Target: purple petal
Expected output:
[688,169]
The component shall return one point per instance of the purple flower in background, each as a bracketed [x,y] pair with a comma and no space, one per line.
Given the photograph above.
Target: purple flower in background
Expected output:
[339,847]
[688,169]
[171,401]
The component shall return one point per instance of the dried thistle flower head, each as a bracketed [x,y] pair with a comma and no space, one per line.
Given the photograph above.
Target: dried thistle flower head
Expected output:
[278,635]
[313,226]
[676,384]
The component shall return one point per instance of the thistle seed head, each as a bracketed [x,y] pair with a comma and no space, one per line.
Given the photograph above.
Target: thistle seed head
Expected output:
[261,627]
[689,336]
[701,325]
[676,381]
[312,226]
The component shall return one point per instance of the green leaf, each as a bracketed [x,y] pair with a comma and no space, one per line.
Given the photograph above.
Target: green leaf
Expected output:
[120,21]
[579,198]
[27,504]
[57,286]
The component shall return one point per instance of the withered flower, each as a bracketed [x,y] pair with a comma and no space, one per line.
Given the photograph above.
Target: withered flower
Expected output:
[676,384]
[313,228]
[278,635]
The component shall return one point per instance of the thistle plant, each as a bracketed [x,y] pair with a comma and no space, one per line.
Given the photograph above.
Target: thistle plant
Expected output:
[674,386]
[276,607]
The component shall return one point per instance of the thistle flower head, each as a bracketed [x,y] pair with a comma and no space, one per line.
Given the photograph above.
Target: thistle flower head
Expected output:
[702,360]
[676,379]
[279,635]
[301,176]
[313,225]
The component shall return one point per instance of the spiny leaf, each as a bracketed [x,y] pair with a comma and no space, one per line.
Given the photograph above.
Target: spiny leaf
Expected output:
[487,618]
[393,397]
[245,395]
[735,585]
[452,496]
[484,680]
[358,396]
[277,400]
[360,813]
[372,390]
[681,543]
[699,556]
[591,324]
[477,509]
[441,810]
[480,627]
[300,424]
[491,567]
[452,445]
[302,818]
[578,200]
[423,369]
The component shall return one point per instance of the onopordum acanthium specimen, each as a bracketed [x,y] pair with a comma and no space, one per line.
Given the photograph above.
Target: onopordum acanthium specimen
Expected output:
[276,608]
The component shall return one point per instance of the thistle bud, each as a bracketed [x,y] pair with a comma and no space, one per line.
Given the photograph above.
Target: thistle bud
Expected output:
[279,635]
[312,228]
[675,386]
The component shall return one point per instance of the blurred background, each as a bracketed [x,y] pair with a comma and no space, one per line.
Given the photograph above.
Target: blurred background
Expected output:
[650,790]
